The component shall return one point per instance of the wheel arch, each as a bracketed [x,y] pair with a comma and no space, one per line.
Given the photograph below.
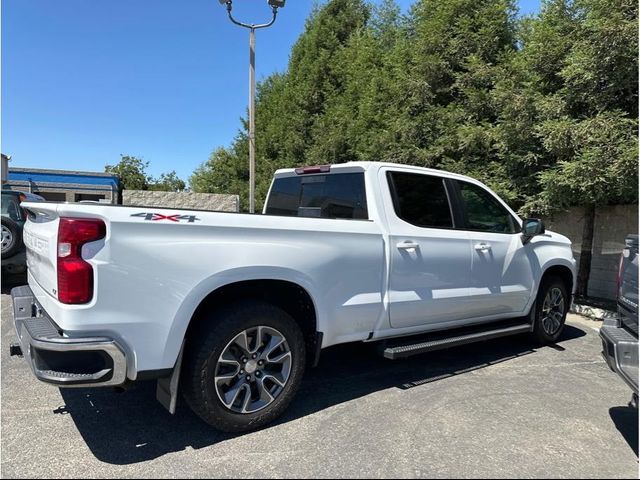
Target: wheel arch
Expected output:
[291,296]
[554,268]
[561,271]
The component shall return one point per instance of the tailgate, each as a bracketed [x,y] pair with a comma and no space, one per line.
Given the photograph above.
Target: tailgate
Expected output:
[41,241]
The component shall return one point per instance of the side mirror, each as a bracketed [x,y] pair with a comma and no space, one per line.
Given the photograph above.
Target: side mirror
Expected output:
[530,228]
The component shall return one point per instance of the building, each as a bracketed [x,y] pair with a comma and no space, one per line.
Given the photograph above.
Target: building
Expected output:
[65,185]
[5,167]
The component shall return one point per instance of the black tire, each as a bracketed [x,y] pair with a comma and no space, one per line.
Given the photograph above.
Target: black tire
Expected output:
[207,343]
[551,333]
[10,243]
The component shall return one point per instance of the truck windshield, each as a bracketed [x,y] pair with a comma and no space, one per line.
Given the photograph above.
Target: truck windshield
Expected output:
[338,195]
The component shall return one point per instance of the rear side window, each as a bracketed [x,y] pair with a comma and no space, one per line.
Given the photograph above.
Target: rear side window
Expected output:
[420,200]
[338,195]
[10,207]
[484,212]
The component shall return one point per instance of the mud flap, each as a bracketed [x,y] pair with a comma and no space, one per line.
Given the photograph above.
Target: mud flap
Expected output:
[167,388]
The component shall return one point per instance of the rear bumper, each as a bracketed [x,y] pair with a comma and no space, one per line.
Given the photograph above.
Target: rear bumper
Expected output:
[620,351]
[58,359]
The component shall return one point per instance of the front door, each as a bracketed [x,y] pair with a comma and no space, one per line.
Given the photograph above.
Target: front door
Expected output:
[430,260]
[501,275]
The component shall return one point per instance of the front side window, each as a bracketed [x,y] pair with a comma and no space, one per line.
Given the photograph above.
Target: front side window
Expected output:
[420,200]
[337,195]
[484,212]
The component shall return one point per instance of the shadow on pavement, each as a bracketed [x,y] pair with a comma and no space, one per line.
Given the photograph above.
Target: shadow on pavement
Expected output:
[10,280]
[131,427]
[626,421]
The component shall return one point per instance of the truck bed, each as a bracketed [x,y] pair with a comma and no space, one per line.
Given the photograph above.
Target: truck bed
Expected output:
[155,265]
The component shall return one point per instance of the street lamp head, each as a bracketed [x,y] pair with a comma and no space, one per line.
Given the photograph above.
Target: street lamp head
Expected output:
[275,5]
[272,3]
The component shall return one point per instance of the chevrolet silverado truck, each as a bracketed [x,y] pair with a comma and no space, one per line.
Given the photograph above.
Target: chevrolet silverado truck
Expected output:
[620,334]
[227,309]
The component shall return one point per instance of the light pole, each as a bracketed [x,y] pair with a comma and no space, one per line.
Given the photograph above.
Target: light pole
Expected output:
[274,4]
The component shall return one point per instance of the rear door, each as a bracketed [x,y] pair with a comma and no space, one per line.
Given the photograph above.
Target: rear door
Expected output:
[501,280]
[430,259]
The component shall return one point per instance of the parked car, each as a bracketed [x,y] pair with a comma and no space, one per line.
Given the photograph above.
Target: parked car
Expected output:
[620,335]
[13,218]
[229,308]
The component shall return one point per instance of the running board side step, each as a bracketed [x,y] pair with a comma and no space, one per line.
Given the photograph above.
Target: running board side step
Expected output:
[408,349]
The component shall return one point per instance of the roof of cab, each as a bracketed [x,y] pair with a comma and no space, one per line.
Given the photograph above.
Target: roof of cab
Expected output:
[368,165]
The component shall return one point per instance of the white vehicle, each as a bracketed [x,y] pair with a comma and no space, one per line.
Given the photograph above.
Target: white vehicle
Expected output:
[228,308]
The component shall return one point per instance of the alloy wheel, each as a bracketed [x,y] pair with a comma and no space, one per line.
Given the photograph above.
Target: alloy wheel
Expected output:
[7,238]
[253,370]
[553,311]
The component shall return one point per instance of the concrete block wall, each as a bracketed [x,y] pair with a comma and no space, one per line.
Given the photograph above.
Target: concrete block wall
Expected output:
[612,225]
[182,200]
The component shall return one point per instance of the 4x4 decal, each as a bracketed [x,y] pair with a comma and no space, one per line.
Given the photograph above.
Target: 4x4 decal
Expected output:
[156,217]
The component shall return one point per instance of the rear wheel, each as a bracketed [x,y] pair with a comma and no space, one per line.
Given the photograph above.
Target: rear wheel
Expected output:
[243,366]
[11,240]
[552,306]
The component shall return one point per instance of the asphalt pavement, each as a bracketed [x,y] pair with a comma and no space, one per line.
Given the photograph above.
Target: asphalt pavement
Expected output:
[504,408]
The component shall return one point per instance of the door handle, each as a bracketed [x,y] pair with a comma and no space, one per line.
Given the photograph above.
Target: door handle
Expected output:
[408,245]
[482,247]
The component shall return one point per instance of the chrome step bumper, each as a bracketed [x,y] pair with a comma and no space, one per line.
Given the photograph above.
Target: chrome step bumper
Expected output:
[60,360]
[620,351]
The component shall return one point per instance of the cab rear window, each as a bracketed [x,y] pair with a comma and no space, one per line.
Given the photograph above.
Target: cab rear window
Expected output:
[337,195]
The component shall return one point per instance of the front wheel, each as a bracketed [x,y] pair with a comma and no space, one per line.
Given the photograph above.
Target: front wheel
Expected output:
[243,366]
[552,306]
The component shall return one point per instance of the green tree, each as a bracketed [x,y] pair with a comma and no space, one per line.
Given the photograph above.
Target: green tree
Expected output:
[315,75]
[449,116]
[222,173]
[289,106]
[132,173]
[168,182]
[524,84]
[543,108]
[598,166]
[353,125]
[589,122]
[601,70]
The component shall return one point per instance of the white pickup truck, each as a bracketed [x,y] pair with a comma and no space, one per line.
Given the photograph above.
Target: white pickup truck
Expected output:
[228,308]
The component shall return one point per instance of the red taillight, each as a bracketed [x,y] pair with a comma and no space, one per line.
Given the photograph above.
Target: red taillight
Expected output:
[75,276]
